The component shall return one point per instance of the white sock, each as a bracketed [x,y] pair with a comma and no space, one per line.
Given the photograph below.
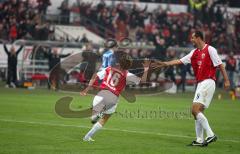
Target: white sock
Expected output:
[204,122]
[199,131]
[94,129]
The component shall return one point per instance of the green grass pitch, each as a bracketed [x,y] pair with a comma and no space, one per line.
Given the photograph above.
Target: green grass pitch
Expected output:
[153,124]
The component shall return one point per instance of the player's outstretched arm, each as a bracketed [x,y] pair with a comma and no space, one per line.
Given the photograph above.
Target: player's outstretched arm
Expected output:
[91,82]
[225,76]
[160,64]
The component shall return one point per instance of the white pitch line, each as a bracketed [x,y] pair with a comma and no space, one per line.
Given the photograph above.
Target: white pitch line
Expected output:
[110,129]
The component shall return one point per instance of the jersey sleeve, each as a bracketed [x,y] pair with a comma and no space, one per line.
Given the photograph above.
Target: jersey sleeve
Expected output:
[216,60]
[101,74]
[187,59]
[131,78]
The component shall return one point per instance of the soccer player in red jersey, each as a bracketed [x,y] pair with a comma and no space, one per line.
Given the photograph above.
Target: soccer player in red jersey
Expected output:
[204,60]
[114,82]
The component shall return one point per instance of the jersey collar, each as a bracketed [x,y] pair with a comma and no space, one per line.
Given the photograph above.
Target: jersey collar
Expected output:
[205,45]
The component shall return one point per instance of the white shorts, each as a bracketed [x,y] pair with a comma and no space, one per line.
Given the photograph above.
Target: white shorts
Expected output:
[204,92]
[105,102]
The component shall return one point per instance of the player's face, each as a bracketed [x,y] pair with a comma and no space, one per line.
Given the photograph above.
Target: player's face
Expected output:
[12,49]
[194,39]
[55,51]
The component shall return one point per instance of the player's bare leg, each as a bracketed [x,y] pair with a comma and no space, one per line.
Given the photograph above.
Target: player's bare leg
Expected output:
[97,126]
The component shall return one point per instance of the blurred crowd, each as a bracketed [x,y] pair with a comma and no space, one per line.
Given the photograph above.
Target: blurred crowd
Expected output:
[164,29]
[231,3]
[161,27]
[22,19]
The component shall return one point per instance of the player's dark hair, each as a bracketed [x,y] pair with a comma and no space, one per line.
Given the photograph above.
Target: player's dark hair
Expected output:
[125,61]
[199,34]
[110,43]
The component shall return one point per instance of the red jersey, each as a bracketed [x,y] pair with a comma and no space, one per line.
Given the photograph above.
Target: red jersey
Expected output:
[204,62]
[115,80]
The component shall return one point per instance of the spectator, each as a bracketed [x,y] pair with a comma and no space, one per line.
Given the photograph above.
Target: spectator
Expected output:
[12,65]
[54,59]
[41,30]
[65,12]
[84,39]
[196,7]
[231,65]
[135,16]
[182,71]
[160,50]
[169,73]
[19,19]
[42,6]
[101,5]
[88,65]
[176,30]
[13,31]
